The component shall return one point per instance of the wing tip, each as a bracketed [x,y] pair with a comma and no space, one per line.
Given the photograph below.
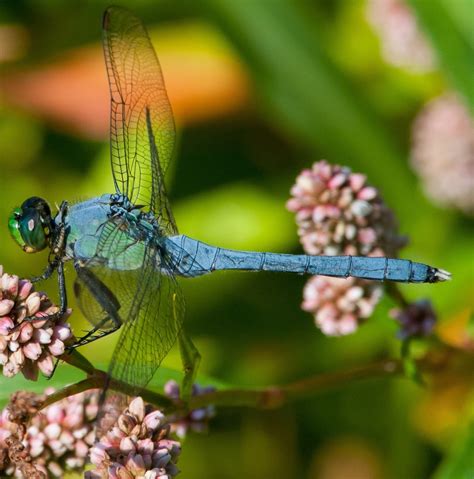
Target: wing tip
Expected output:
[106,17]
[108,12]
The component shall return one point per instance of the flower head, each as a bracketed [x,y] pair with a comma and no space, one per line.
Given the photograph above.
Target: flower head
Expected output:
[58,438]
[443,152]
[339,305]
[138,446]
[403,44]
[338,213]
[29,343]
[196,420]
[416,320]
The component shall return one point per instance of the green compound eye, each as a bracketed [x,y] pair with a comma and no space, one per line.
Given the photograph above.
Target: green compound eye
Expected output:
[14,226]
[27,227]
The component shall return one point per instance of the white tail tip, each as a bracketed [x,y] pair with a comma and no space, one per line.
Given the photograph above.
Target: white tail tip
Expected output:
[442,275]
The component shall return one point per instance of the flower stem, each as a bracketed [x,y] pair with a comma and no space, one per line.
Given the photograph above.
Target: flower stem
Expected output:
[91,382]
[275,396]
[263,398]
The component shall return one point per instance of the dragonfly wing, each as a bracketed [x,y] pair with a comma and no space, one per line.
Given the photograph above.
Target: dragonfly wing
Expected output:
[157,316]
[129,282]
[142,131]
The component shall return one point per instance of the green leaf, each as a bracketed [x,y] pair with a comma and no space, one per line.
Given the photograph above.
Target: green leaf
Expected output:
[461,13]
[459,464]
[452,40]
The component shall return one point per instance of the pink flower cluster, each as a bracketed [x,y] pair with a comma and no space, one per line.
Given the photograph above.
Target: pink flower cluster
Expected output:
[138,446]
[338,305]
[403,43]
[338,213]
[58,438]
[29,343]
[197,420]
[443,152]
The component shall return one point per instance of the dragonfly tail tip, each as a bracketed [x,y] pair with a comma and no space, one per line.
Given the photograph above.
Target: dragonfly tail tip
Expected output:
[441,275]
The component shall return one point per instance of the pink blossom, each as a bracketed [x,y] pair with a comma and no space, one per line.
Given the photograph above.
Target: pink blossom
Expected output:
[51,442]
[339,213]
[137,448]
[28,344]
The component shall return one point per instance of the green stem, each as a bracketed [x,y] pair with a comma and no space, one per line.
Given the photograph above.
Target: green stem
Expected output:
[71,390]
[275,396]
[263,398]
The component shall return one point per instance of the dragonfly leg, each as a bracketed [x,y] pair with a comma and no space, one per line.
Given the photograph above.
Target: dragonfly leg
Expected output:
[108,302]
[62,294]
[62,299]
[52,265]
[95,333]
[190,358]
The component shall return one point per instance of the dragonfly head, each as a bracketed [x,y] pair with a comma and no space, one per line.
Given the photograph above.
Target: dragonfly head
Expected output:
[30,225]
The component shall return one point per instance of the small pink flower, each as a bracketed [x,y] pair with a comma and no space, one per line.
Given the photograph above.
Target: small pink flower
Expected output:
[137,409]
[403,43]
[55,413]
[27,344]
[6,306]
[135,465]
[154,419]
[127,445]
[136,448]
[26,332]
[62,332]
[198,419]
[24,289]
[56,347]
[9,285]
[98,454]
[443,152]
[32,351]
[50,441]
[6,325]
[46,365]
[33,303]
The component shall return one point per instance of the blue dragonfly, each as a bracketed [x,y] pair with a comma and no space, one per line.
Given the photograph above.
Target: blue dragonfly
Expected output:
[125,246]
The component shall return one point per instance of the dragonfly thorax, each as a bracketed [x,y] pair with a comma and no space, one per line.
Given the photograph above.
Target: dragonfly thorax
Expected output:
[133,217]
[31,225]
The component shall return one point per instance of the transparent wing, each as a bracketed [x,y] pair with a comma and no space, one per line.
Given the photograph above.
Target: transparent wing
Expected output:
[142,132]
[129,281]
[158,311]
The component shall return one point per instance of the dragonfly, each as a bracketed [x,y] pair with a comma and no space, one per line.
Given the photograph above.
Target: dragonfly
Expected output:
[125,246]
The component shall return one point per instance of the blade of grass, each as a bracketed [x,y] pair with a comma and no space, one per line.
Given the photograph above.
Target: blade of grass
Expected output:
[451,41]
[311,98]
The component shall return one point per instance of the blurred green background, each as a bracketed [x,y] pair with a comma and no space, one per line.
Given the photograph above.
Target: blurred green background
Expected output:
[261,89]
